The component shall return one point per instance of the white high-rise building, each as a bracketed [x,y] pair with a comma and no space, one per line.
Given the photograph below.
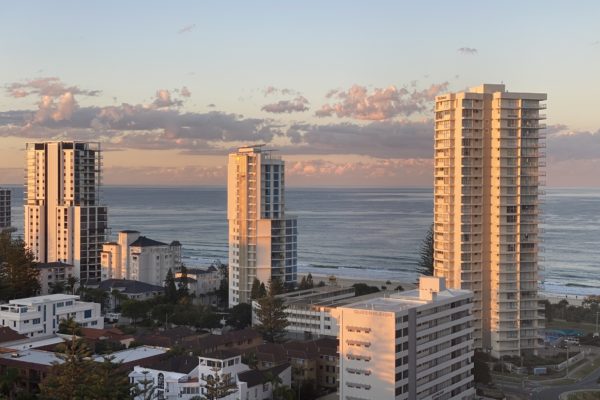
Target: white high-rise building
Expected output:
[5,213]
[411,345]
[64,220]
[488,169]
[262,238]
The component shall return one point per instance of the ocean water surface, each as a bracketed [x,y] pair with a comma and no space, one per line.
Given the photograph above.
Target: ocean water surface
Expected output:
[370,233]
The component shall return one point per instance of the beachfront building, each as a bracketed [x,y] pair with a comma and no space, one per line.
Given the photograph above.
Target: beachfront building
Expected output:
[139,258]
[262,238]
[54,276]
[413,345]
[5,212]
[64,220]
[41,315]
[488,172]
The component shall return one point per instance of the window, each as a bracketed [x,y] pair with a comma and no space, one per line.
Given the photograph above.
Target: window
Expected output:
[87,314]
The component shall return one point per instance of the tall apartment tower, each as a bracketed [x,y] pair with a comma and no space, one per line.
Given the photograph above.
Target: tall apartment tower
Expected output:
[488,170]
[5,214]
[262,238]
[64,220]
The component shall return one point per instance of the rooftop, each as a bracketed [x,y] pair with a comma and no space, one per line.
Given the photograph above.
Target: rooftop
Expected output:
[8,335]
[29,301]
[134,354]
[182,364]
[256,377]
[143,241]
[128,286]
[55,264]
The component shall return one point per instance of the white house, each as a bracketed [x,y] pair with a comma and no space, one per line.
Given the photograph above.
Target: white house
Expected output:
[185,377]
[41,315]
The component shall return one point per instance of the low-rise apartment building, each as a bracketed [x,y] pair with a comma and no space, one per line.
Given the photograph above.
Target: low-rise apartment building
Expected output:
[413,345]
[54,275]
[41,315]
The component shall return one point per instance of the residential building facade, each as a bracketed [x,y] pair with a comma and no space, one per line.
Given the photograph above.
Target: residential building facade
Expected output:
[136,257]
[64,218]
[489,163]
[5,210]
[262,238]
[413,345]
[54,275]
[41,315]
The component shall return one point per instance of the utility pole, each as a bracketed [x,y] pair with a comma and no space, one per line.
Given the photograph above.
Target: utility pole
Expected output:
[597,334]
[566,376]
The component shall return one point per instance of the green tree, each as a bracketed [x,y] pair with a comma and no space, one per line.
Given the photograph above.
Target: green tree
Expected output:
[95,295]
[18,275]
[110,381]
[57,287]
[170,288]
[144,388]
[183,291]
[240,316]
[481,370]
[67,380]
[303,285]
[219,385]
[309,281]
[135,310]
[360,289]
[69,326]
[425,263]
[548,310]
[9,383]
[255,291]
[72,284]
[271,315]
[276,286]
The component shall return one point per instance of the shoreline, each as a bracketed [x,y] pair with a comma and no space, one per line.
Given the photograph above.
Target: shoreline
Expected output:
[382,284]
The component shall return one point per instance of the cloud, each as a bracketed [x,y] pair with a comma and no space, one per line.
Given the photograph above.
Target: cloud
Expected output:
[380,139]
[299,104]
[163,100]
[468,51]
[158,125]
[272,90]
[186,29]
[380,104]
[56,100]
[564,144]
[384,172]
[211,105]
[185,92]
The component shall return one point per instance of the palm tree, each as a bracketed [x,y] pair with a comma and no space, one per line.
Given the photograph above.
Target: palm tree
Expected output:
[71,283]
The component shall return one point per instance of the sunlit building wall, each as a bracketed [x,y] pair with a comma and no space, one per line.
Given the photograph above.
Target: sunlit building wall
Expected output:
[262,238]
[489,163]
[413,345]
[64,221]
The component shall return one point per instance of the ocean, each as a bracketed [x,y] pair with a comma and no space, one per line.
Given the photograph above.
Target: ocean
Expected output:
[359,233]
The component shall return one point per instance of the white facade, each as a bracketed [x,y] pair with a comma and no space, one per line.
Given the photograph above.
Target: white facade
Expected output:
[171,385]
[414,345]
[64,220]
[5,211]
[41,316]
[262,239]
[139,258]
[489,163]
[313,311]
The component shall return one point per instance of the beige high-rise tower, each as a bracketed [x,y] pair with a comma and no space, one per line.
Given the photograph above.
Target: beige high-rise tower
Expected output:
[64,220]
[262,238]
[488,170]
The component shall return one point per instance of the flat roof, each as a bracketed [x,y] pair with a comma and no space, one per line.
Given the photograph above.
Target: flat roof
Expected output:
[43,299]
[134,354]
[400,301]
[39,357]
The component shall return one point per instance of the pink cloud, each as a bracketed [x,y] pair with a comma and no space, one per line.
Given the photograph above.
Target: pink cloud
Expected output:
[380,104]
[299,104]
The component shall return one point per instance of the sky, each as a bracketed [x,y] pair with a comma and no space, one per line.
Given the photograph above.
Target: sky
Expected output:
[343,90]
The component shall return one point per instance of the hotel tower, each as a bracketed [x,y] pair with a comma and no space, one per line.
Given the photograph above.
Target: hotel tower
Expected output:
[262,238]
[488,170]
[64,220]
